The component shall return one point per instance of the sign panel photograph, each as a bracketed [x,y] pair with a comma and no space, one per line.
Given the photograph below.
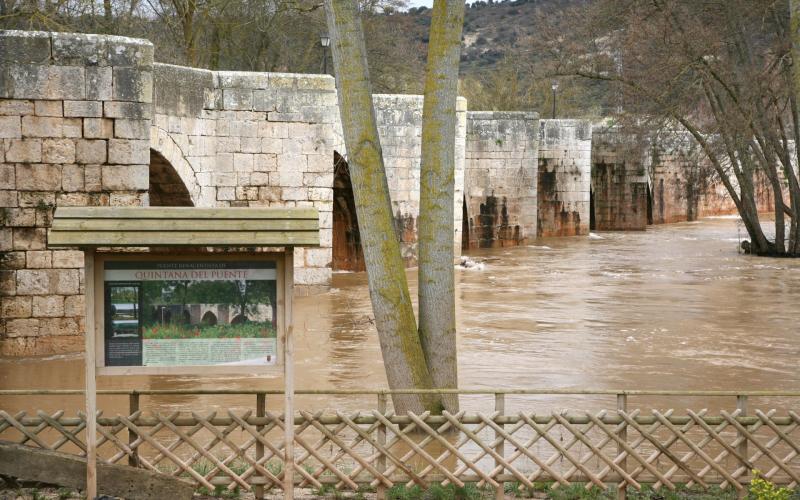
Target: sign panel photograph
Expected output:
[173,313]
[189,313]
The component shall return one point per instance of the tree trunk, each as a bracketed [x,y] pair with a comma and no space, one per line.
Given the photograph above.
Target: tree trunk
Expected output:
[760,245]
[215,49]
[403,358]
[185,11]
[794,34]
[108,15]
[437,322]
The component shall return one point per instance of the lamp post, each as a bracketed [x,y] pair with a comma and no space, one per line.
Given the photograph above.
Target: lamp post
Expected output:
[554,86]
[325,42]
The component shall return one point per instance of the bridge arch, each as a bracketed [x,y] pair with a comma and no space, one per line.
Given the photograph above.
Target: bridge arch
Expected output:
[347,252]
[172,178]
[166,186]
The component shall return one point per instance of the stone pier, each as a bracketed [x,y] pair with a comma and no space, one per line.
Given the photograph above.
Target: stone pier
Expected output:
[565,148]
[500,205]
[75,114]
[619,182]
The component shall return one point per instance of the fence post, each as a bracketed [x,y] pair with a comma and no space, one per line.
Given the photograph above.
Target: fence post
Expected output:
[261,411]
[741,405]
[288,376]
[622,405]
[500,407]
[133,407]
[381,465]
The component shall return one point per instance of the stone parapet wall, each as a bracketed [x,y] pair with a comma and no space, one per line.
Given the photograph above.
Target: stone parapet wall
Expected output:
[74,124]
[565,148]
[500,180]
[253,139]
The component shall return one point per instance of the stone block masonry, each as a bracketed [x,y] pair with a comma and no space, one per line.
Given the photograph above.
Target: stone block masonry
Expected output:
[657,180]
[500,205]
[619,182]
[565,148]
[399,119]
[683,185]
[676,176]
[248,139]
[65,104]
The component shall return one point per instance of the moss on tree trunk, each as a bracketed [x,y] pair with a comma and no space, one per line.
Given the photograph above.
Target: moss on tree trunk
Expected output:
[391,302]
[437,323]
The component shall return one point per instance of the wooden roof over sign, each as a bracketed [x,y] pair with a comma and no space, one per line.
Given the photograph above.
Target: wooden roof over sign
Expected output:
[183,226]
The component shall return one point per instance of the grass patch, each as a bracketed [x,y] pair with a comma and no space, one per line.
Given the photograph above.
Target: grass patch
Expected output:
[179,331]
[756,491]
[436,492]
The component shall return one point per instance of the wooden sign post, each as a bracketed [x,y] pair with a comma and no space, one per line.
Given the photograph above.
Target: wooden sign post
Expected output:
[90,393]
[115,339]
[288,379]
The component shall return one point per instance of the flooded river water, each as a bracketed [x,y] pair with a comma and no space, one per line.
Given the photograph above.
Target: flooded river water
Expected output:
[675,307]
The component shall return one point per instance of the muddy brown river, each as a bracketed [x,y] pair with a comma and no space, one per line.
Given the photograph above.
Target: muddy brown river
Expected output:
[675,307]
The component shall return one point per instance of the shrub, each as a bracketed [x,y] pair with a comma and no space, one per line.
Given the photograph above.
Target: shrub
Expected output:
[763,489]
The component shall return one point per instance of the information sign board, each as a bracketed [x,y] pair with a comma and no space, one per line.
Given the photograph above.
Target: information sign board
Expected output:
[174,313]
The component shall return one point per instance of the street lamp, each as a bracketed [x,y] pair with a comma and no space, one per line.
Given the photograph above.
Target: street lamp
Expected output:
[325,42]
[554,86]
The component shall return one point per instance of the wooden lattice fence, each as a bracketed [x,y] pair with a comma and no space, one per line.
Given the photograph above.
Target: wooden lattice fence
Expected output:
[613,447]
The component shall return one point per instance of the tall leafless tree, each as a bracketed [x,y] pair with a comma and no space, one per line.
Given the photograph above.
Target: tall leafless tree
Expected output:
[437,315]
[413,359]
[722,71]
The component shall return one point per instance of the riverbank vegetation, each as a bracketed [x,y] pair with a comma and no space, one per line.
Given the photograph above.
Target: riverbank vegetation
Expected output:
[450,492]
[723,72]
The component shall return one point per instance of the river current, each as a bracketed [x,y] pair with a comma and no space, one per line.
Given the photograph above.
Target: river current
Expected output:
[674,307]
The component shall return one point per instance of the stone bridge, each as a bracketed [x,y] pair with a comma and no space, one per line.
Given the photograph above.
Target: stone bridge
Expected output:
[91,120]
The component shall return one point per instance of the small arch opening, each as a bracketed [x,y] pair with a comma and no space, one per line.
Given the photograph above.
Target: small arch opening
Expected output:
[347,252]
[464,225]
[166,187]
[209,318]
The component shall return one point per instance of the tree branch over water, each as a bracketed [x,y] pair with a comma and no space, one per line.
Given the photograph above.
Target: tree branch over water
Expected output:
[720,72]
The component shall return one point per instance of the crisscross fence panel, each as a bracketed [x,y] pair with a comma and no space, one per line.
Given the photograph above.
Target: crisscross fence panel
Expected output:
[617,447]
